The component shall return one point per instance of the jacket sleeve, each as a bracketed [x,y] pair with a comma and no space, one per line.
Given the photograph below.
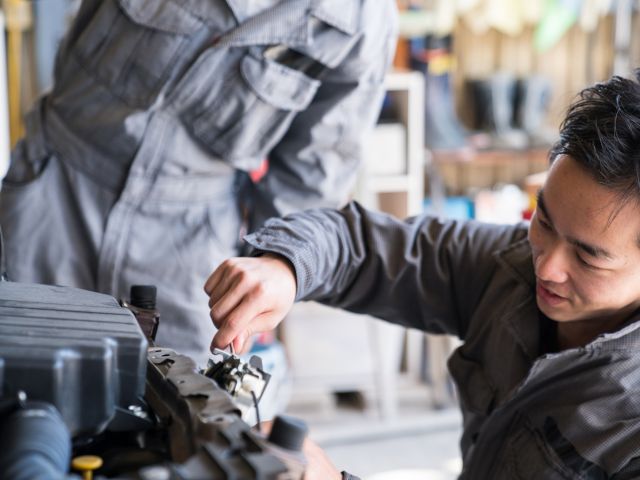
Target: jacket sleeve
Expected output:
[423,273]
[315,163]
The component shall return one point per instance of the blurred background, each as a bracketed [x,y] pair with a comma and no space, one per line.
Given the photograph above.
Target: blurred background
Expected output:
[474,99]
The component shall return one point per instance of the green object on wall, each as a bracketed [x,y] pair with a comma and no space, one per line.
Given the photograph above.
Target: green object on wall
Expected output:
[559,16]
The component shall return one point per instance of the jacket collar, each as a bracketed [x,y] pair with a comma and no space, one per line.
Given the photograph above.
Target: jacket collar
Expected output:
[342,14]
[289,22]
[517,260]
[521,320]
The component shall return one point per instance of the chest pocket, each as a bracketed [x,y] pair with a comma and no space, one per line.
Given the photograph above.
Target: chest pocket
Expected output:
[252,110]
[532,453]
[130,46]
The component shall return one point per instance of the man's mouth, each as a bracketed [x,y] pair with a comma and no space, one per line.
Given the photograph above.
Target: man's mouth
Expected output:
[548,296]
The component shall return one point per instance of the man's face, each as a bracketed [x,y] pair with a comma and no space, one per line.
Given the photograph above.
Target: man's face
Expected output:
[586,256]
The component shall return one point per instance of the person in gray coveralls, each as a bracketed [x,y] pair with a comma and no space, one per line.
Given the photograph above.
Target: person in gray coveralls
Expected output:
[549,372]
[135,167]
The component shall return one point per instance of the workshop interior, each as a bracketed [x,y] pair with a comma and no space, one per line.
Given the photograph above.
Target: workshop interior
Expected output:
[471,104]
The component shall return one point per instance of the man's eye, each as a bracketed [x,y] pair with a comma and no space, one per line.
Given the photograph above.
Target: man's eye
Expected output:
[543,223]
[585,264]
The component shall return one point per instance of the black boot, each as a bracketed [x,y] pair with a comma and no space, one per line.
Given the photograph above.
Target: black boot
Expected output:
[493,102]
[433,57]
[533,94]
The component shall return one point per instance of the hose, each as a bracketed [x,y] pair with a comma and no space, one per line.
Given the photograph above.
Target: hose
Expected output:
[35,443]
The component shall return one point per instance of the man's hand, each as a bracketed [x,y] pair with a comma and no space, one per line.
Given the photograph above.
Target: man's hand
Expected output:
[248,296]
[319,467]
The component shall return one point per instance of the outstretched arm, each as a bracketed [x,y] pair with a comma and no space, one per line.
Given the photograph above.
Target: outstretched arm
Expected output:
[422,273]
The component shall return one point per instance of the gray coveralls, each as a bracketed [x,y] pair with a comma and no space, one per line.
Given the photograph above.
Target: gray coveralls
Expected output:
[529,412]
[134,164]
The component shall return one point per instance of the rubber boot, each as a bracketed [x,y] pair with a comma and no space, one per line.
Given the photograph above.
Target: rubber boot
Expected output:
[433,57]
[494,106]
[533,94]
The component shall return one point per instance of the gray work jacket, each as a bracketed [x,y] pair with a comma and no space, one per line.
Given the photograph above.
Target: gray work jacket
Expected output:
[529,412]
[132,167]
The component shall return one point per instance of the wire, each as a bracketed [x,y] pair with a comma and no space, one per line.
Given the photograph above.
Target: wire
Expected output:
[255,403]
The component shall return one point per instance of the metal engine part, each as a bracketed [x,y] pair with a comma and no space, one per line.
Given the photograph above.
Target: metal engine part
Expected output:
[245,382]
[205,427]
[149,412]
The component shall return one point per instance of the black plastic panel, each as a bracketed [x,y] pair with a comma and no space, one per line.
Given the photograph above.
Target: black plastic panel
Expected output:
[79,350]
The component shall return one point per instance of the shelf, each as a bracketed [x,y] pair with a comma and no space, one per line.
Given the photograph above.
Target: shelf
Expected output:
[403,80]
[392,183]
[462,172]
[405,176]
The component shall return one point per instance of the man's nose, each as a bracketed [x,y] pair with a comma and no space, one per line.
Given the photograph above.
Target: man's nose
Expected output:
[552,265]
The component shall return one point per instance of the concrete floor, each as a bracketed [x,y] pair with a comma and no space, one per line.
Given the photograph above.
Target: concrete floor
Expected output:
[430,455]
[419,444]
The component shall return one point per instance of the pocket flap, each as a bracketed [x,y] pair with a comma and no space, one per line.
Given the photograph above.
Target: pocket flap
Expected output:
[165,15]
[281,86]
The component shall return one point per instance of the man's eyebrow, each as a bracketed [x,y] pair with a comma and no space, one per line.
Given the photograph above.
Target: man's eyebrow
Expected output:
[591,250]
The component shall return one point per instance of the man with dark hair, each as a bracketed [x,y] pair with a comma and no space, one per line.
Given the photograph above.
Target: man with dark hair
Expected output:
[548,312]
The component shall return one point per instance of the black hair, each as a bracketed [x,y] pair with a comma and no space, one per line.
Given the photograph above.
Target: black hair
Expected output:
[601,131]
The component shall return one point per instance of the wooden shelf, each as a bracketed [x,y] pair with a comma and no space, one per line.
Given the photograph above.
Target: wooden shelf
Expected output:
[468,170]
[407,91]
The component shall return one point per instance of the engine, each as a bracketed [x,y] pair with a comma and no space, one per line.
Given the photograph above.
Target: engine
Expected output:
[80,380]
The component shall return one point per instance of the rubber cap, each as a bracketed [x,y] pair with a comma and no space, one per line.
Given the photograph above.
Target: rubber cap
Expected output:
[143,296]
[86,464]
[288,432]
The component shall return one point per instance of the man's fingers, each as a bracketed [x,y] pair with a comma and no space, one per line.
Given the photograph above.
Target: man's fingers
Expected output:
[226,297]
[225,283]
[225,270]
[214,278]
[248,295]
[264,322]
[237,322]
[219,289]
[241,343]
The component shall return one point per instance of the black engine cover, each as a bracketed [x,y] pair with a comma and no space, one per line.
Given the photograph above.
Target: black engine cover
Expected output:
[79,350]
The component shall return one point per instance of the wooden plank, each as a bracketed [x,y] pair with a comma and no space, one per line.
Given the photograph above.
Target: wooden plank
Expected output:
[578,60]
